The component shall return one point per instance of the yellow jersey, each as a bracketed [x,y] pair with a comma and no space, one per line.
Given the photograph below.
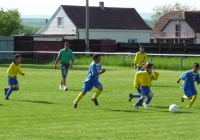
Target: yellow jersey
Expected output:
[143,78]
[139,58]
[14,69]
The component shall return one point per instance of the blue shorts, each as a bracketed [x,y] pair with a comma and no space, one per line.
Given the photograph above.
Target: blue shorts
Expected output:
[145,90]
[64,69]
[139,68]
[190,92]
[88,86]
[12,81]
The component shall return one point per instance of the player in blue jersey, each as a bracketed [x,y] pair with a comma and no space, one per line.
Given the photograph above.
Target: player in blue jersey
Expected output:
[143,80]
[92,81]
[189,77]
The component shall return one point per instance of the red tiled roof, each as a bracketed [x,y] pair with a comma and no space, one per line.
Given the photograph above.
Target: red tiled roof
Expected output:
[191,17]
[109,18]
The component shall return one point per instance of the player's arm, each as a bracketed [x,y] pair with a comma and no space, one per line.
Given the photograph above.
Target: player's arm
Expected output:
[99,73]
[57,59]
[155,75]
[72,61]
[136,83]
[178,80]
[20,72]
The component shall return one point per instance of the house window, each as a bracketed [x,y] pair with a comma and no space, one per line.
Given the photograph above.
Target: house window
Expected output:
[132,41]
[60,22]
[178,30]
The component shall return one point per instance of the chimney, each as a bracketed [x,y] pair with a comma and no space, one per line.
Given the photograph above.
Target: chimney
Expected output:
[101,5]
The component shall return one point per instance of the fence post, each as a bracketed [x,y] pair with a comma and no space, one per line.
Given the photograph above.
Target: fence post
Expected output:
[36,57]
[151,58]
[181,60]
[54,57]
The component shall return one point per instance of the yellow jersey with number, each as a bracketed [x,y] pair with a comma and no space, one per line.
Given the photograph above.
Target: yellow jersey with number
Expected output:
[14,69]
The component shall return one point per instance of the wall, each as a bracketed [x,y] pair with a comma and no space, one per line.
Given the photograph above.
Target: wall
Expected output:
[6,44]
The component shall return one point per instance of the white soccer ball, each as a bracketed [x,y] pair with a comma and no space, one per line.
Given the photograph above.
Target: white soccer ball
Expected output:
[173,108]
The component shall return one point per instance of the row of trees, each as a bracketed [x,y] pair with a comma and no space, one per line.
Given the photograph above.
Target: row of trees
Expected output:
[10,21]
[11,24]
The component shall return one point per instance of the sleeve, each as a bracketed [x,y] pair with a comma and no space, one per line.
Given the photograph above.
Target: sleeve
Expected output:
[136,80]
[19,70]
[154,76]
[60,53]
[184,75]
[10,70]
[136,59]
[94,69]
[145,57]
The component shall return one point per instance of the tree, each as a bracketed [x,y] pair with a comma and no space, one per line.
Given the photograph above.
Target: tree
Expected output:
[9,21]
[28,30]
[164,9]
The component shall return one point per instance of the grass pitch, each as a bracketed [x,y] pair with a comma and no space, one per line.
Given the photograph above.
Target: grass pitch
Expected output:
[40,111]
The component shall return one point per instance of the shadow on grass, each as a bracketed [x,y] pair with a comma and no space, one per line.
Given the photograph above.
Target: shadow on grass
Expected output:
[119,110]
[40,102]
[1,105]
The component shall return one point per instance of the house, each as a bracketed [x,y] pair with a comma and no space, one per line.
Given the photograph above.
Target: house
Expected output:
[105,23]
[177,27]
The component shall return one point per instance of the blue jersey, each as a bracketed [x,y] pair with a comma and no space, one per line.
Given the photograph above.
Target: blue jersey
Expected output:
[93,69]
[189,77]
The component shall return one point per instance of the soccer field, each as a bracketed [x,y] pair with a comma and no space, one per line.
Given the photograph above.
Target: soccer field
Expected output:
[40,111]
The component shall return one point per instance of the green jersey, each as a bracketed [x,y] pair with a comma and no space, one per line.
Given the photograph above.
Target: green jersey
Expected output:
[65,55]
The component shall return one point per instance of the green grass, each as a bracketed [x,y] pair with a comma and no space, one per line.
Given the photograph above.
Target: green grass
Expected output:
[40,111]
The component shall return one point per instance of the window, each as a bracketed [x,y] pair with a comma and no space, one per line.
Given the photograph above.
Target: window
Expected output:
[132,41]
[60,22]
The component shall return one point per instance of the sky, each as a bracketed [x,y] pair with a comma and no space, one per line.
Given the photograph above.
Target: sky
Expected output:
[49,7]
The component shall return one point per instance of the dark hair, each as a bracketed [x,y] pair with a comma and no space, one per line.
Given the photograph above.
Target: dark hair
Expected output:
[141,46]
[196,65]
[17,56]
[95,56]
[148,65]
[66,43]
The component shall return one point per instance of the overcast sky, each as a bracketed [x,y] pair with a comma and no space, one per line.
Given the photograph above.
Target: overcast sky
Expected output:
[48,7]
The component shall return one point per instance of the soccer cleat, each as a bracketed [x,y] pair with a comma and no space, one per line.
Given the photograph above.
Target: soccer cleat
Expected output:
[182,99]
[7,99]
[130,97]
[95,101]
[74,105]
[5,91]
[65,88]
[146,106]
[60,87]
[135,106]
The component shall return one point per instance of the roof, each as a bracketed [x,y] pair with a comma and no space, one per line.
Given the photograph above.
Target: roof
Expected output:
[107,18]
[191,17]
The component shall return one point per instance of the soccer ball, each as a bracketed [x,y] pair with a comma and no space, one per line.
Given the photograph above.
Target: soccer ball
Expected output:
[173,108]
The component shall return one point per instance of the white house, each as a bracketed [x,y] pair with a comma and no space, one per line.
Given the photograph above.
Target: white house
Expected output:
[105,23]
[177,27]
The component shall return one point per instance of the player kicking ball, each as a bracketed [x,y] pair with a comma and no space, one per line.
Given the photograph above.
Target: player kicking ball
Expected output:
[92,81]
[189,77]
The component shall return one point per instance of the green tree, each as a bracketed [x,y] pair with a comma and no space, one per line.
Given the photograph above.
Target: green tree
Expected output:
[9,21]
[164,9]
[28,30]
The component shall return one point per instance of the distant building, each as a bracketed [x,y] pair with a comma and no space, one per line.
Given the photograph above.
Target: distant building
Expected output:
[177,27]
[105,23]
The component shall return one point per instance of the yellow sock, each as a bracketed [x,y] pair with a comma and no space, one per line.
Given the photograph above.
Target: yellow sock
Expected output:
[192,100]
[98,92]
[78,98]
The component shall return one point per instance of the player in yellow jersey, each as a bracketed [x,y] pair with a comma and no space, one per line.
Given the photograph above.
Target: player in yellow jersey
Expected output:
[12,71]
[143,81]
[140,57]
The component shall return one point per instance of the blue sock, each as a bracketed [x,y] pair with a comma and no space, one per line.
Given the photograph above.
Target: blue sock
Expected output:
[139,102]
[10,91]
[148,100]
[135,95]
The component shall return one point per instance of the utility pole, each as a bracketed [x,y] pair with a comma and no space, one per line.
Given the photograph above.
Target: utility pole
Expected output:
[87,27]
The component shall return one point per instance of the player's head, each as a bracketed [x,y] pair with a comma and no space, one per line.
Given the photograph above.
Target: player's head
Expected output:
[17,58]
[66,45]
[148,66]
[97,58]
[195,67]
[142,48]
